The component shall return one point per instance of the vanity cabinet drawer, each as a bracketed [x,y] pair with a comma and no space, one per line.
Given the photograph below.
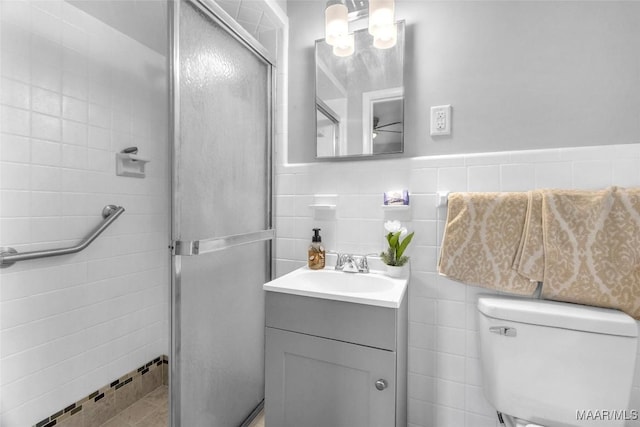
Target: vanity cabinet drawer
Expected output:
[368,325]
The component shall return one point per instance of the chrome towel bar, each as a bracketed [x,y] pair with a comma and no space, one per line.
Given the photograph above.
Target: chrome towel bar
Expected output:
[9,256]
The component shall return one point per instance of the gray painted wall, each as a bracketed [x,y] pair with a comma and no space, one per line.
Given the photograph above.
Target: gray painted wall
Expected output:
[519,74]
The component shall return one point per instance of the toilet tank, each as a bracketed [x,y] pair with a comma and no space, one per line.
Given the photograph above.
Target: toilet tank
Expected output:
[550,362]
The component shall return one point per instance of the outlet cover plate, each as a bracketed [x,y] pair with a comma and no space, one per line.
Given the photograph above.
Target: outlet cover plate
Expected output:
[441,120]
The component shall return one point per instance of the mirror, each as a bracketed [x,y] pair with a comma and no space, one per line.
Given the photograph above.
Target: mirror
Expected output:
[360,99]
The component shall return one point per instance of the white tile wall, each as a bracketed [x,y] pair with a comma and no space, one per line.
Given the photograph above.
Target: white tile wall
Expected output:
[445,382]
[74,92]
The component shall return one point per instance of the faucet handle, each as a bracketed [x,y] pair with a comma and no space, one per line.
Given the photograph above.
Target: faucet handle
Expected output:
[350,264]
[363,265]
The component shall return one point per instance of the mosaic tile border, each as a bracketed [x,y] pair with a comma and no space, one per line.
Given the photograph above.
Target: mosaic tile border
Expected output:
[111,399]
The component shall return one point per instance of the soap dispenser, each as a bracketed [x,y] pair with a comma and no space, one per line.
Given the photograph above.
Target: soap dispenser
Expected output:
[316,251]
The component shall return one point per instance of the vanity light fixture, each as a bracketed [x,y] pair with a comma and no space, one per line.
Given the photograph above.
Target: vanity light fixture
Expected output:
[345,46]
[336,24]
[382,23]
[382,26]
[386,37]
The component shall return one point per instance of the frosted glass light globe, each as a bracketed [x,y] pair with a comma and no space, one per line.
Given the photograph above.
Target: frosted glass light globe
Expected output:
[381,14]
[336,23]
[386,38]
[345,45]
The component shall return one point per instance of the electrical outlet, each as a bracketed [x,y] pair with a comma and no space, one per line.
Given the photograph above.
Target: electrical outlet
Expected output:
[441,120]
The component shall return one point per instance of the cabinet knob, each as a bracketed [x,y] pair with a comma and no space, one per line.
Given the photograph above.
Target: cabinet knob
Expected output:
[381,384]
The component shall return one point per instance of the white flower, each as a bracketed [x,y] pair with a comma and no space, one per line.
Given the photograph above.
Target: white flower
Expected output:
[394,227]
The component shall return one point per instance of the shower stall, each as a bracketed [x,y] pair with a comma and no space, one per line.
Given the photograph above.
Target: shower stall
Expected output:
[222,98]
[167,291]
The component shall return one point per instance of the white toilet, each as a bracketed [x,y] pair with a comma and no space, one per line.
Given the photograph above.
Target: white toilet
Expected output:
[555,364]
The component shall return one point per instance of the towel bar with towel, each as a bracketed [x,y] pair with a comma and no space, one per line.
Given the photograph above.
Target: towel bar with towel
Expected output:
[9,256]
[582,245]
[481,237]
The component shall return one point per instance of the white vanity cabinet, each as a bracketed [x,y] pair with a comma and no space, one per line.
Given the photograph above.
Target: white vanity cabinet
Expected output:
[334,363]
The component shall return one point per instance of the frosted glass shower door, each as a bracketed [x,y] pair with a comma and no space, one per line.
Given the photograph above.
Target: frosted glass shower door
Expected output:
[222,233]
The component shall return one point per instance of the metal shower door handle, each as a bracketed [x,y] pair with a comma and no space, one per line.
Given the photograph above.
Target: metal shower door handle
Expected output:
[198,247]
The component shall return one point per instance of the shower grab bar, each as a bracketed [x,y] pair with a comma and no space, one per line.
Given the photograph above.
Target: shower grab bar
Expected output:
[9,256]
[198,247]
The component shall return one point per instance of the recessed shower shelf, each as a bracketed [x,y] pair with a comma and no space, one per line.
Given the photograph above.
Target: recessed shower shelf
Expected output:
[324,202]
[132,165]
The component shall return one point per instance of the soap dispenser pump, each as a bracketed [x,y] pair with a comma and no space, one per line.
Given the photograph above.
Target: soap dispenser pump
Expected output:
[316,251]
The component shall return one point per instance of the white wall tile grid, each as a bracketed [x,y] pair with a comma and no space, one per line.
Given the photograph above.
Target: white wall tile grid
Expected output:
[445,382]
[74,92]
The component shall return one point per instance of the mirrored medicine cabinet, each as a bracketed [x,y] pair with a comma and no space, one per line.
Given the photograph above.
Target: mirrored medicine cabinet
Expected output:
[359,100]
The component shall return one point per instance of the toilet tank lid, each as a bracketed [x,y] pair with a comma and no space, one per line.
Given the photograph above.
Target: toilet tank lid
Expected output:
[558,315]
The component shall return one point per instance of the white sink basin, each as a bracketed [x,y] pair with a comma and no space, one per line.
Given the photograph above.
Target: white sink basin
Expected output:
[372,288]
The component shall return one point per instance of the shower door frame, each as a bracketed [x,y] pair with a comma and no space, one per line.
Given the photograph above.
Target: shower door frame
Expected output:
[219,16]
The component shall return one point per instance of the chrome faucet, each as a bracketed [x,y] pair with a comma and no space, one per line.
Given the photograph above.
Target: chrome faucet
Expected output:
[352,263]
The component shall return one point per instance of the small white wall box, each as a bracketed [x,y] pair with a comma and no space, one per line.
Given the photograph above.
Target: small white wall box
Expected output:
[130,165]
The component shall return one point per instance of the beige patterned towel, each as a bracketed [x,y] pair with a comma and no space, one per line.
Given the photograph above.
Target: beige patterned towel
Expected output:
[592,248]
[529,260]
[482,236]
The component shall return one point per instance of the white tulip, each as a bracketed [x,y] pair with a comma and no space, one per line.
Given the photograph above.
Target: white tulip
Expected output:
[393,226]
